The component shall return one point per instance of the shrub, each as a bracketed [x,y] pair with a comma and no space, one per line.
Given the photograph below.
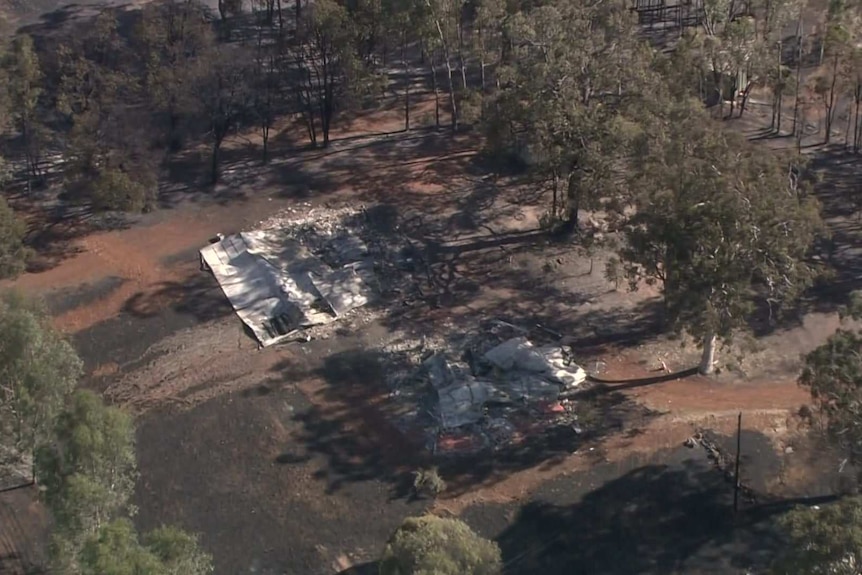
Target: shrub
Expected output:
[434,545]
[118,190]
[427,482]
[13,253]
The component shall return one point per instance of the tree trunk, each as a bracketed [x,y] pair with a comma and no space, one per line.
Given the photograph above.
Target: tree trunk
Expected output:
[452,101]
[327,105]
[745,95]
[436,90]
[265,138]
[776,88]
[554,199]
[280,16]
[407,80]
[856,133]
[780,106]
[798,75]
[573,201]
[214,165]
[461,63]
[482,80]
[718,79]
[298,12]
[830,102]
[707,358]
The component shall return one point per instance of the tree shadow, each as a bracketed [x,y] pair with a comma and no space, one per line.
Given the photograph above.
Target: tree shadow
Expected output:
[607,385]
[655,519]
[350,424]
[52,232]
[199,296]
[366,431]
[546,446]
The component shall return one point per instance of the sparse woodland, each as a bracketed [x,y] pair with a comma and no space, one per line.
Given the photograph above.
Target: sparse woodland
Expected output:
[570,95]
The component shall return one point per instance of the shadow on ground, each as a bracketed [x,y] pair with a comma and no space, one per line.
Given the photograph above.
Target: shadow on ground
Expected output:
[198,296]
[655,519]
[352,425]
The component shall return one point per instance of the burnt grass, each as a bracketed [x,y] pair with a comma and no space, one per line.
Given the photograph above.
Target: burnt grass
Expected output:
[274,485]
[670,512]
[228,471]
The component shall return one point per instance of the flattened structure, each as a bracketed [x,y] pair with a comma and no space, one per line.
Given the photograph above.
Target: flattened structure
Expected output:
[277,286]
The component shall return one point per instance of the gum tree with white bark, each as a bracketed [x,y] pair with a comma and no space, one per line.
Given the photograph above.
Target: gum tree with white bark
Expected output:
[718,226]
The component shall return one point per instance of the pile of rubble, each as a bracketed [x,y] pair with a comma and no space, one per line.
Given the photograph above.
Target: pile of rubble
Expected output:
[494,394]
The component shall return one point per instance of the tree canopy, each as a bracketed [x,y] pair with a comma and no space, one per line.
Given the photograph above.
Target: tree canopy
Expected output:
[116,550]
[718,224]
[824,540]
[833,374]
[89,470]
[434,545]
[38,371]
[575,77]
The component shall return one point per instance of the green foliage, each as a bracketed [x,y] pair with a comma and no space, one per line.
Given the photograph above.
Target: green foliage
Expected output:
[88,476]
[24,87]
[823,541]
[89,472]
[178,551]
[326,33]
[115,550]
[38,371]
[114,189]
[576,76]
[433,545]
[428,482]
[717,223]
[173,42]
[111,163]
[833,374]
[13,253]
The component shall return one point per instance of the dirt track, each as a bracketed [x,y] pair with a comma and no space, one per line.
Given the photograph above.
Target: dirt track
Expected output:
[237,443]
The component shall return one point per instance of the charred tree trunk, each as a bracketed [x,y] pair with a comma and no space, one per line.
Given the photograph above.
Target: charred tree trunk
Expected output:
[214,160]
[407,81]
[858,127]
[452,98]
[435,88]
[327,100]
[573,202]
[280,16]
[798,76]
[746,93]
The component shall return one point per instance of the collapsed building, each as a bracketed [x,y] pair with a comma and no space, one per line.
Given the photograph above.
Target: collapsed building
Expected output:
[290,275]
[489,398]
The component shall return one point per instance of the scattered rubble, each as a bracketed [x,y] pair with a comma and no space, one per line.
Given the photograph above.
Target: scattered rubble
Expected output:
[485,391]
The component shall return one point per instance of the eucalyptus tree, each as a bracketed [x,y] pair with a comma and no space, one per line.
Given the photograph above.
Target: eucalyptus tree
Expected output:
[718,225]
[577,79]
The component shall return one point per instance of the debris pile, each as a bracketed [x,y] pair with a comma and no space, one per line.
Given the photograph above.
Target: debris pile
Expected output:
[295,272]
[495,394]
